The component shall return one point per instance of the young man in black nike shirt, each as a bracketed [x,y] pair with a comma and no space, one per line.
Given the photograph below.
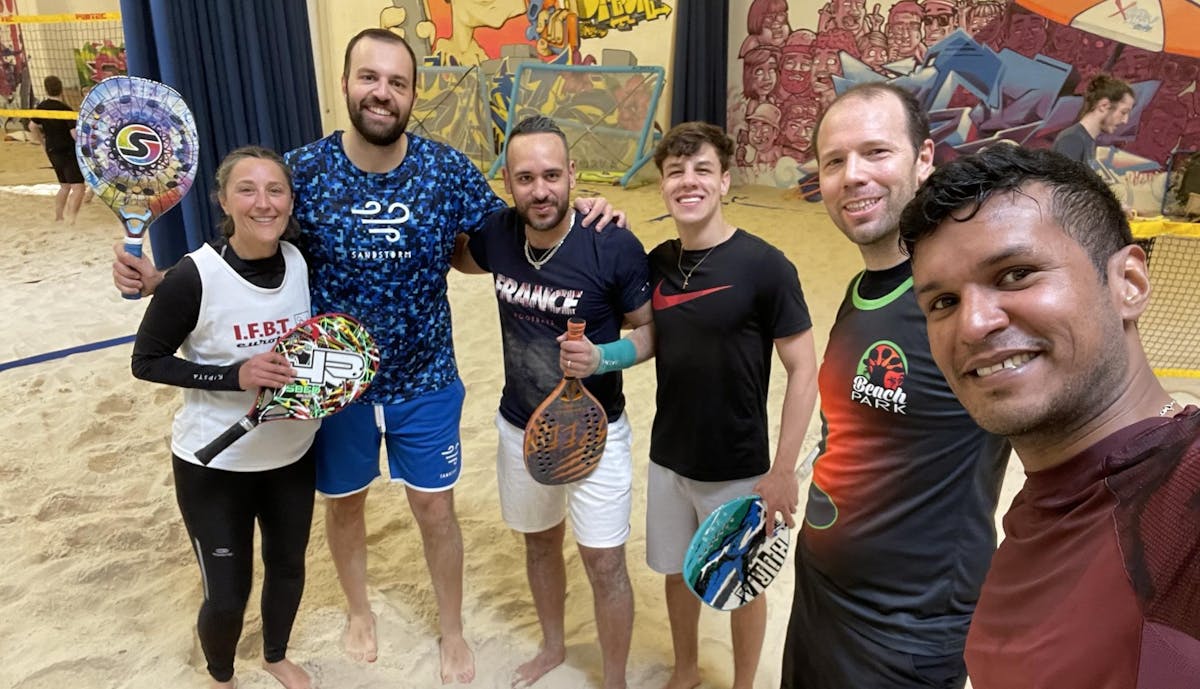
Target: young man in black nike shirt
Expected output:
[722,298]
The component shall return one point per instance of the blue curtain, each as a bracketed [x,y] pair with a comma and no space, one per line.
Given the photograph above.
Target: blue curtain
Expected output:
[698,71]
[245,69]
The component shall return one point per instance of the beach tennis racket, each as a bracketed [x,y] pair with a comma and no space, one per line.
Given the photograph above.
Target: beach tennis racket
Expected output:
[335,360]
[735,554]
[564,439]
[137,148]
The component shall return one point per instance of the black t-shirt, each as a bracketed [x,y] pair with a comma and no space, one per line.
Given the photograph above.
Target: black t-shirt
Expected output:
[713,345]
[596,276]
[899,525]
[56,133]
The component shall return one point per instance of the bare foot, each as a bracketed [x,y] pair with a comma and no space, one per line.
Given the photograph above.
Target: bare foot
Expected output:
[359,638]
[231,684]
[532,670]
[683,680]
[289,674]
[458,663]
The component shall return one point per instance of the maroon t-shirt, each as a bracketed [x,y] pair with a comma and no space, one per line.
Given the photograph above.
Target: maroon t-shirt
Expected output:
[1097,582]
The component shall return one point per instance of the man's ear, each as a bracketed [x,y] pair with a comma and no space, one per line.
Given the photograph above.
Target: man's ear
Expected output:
[1129,281]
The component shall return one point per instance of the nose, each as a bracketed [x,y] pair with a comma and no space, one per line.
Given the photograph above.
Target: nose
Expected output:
[261,198]
[980,314]
[854,171]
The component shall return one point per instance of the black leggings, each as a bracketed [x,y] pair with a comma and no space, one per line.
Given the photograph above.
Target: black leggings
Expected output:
[219,509]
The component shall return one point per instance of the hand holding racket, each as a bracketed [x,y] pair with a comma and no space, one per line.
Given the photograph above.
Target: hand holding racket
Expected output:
[334,360]
[137,147]
[564,438]
[735,554]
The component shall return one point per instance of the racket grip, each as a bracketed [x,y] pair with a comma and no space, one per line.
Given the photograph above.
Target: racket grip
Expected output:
[134,248]
[231,434]
[575,328]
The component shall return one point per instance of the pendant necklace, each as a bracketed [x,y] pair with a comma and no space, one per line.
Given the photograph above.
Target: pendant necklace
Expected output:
[679,264]
[537,263]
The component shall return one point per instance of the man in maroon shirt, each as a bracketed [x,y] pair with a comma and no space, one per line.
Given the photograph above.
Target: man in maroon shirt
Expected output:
[1032,287]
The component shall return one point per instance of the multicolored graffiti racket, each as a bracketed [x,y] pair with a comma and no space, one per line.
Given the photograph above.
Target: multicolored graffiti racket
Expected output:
[565,436]
[335,360]
[734,556]
[137,148]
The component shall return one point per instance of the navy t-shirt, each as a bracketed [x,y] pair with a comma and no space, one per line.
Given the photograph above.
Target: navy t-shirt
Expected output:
[596,276]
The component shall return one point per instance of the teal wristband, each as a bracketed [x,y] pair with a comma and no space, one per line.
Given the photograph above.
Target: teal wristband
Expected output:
[616,356]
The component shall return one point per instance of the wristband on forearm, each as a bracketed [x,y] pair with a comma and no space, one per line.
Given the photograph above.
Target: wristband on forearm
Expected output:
[615,356]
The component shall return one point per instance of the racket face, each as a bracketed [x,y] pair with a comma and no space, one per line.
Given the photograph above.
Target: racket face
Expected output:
[564,439]
[733,556]
[137,148]
[335,360]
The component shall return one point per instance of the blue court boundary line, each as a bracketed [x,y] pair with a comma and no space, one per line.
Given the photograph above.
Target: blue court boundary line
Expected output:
[60,353]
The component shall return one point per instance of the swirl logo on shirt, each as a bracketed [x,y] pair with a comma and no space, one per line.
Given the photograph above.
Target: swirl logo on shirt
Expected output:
[139,145]
[879,380]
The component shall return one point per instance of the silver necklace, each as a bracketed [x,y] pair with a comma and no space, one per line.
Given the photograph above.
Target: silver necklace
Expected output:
[537,263]
[679,264]
[1167,408]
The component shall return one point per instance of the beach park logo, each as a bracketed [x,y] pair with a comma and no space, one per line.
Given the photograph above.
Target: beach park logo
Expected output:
[139,145]
[879,380]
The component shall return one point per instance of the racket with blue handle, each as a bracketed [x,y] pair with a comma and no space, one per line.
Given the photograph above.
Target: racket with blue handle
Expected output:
[735,554]
[137,147]
[335,360]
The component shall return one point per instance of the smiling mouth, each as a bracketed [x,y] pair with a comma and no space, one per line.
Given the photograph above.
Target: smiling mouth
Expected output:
[1012,362]
[860,205]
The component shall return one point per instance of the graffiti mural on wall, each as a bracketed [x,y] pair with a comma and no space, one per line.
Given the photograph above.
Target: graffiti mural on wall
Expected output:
[471,32]
[96,61]
[986,70]
[474,47]
[15,88]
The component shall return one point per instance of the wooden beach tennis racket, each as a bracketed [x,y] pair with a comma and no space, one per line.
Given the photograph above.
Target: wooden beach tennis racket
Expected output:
[564,439]
[137,148]
[734,556]
[335,360]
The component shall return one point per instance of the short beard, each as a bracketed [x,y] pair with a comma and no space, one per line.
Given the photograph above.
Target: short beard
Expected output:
[561,212]
[386,138]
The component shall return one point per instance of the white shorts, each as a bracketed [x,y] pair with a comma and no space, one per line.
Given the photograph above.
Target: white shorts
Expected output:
[675,506]
[599,504]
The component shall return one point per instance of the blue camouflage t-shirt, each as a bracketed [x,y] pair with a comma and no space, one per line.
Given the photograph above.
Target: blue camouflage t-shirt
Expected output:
[379,245]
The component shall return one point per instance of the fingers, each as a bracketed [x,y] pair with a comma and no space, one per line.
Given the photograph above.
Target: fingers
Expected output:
[266,370]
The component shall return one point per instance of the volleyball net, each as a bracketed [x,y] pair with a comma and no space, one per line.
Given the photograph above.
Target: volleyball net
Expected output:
[1170,324]
[81,49]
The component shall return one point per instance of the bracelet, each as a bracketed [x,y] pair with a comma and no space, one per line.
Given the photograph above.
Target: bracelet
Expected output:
[615,356]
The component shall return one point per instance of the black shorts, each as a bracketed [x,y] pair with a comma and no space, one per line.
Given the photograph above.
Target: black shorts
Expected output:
[822,652]
[66,167]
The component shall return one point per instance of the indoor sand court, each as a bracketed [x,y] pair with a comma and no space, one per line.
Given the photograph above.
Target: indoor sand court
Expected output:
[99,584]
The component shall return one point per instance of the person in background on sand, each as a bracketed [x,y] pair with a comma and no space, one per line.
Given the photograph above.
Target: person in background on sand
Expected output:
[540,246]
[723,300]
[381,212]
[188,337]
[1032,286]
[58,138]
[900,523]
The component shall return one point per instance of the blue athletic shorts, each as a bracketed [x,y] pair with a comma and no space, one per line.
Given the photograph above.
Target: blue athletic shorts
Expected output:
[421,436]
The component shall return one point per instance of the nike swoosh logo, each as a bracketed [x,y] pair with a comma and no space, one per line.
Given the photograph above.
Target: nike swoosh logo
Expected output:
[662,301]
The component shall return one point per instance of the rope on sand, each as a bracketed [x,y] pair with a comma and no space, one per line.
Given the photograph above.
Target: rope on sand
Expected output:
[60,353]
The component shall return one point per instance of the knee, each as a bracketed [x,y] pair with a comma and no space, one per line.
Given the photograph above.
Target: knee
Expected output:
[349,509]
[433,510]
[606,567]
[544,544]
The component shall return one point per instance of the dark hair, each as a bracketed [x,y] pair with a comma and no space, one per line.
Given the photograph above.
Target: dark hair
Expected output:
[1080,202]
[539,124]
[916,120]
[237,155]
[1103,86]
[686,138]
[385,36]
[53,86]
